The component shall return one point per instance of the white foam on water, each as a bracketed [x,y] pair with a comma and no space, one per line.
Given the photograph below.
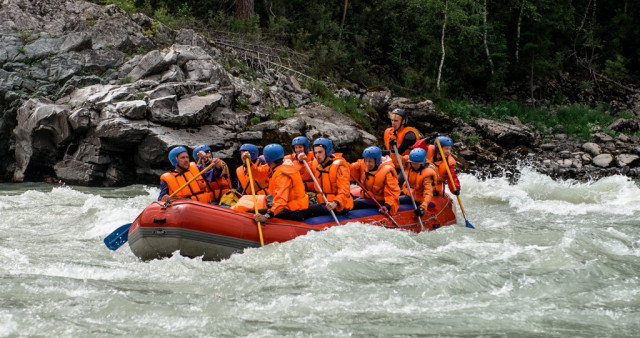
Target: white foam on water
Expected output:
[615,195]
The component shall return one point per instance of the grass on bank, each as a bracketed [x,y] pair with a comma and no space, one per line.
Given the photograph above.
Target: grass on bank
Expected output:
[576,120]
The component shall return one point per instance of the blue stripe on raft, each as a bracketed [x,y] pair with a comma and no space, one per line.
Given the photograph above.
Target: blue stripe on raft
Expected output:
[353,214]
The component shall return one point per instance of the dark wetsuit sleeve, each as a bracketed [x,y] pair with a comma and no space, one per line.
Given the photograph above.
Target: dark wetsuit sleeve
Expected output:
[409,139]
[164,189]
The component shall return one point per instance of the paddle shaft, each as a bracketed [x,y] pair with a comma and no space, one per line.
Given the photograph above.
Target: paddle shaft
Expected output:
[446,165]
[255,199]
[320,191]
[377,203]
[406,181]
[192,179]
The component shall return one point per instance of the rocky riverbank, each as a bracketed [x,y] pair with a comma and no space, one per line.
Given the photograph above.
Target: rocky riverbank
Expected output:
[93,96]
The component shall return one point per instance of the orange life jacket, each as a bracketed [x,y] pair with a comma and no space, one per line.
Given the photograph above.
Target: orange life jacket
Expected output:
[336,188]
[304,173]
[399,137]
[416,180]
[246,203]
[441,169]
[287,176]
[260,180]
[375,183]
[196,190]
[221,185]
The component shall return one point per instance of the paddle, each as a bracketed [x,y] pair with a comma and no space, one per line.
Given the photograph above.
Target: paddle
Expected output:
[255,199]
[118,237]
[320,190]
[121,235]
[406,181]
[446,165]
[372,198]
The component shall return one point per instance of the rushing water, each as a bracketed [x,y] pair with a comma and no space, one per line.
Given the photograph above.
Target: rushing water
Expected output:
[547,258]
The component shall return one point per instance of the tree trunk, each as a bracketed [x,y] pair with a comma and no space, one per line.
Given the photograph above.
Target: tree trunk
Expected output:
[486,46]
[444,28]
[533,58]
[244,9]
[344,16]
[518,31]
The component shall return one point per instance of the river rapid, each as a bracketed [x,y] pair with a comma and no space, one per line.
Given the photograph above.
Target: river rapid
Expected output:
[547,258]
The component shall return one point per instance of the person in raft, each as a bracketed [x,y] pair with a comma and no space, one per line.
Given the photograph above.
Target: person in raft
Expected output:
[332,173]
[380,179]
[422,178]
[433,156]
[218,178]
[259,171]
[182,172]
[285,185]
[399,135]
[300,145]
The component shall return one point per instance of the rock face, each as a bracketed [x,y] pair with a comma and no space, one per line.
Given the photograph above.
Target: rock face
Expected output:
[76,108]
[90,95]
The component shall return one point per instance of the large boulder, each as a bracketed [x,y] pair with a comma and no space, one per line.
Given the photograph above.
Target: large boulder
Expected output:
[507,135]
[42,131]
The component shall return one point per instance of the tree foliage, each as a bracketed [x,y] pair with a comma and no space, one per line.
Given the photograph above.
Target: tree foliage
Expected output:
[397,42]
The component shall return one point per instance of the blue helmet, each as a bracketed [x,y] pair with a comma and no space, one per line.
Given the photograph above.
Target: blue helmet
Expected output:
[173,154]
[273,152]
[202,147]
[444,141]
[326,143]
[374,153]
[301,140]
[418,155]
[252,149]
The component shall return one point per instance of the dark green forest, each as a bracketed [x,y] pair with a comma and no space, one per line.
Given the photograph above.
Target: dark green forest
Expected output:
[486,50]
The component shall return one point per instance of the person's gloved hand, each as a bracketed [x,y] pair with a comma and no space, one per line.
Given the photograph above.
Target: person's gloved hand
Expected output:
[456,192]
[383,210]
[392,143]
[419,212]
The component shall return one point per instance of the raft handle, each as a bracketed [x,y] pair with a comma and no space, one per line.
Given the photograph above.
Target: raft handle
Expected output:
[162,220]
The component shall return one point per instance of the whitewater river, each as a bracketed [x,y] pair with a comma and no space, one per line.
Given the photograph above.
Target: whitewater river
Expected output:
[547,258]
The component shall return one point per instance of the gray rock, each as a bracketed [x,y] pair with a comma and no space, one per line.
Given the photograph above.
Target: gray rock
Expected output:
[152,63]
[292,126]
[602,137]
[135,110]
[229,119]
[379,99]
[592,148]
[103,59]
[42,129]
[199,70]
[631,125]
[250,136]
[603,160]
[164,110]
[173,74]
[628,160]
[81,119]
[505,134]
[270,125]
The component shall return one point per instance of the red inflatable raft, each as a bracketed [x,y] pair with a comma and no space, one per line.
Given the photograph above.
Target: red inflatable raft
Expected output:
[197,229]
